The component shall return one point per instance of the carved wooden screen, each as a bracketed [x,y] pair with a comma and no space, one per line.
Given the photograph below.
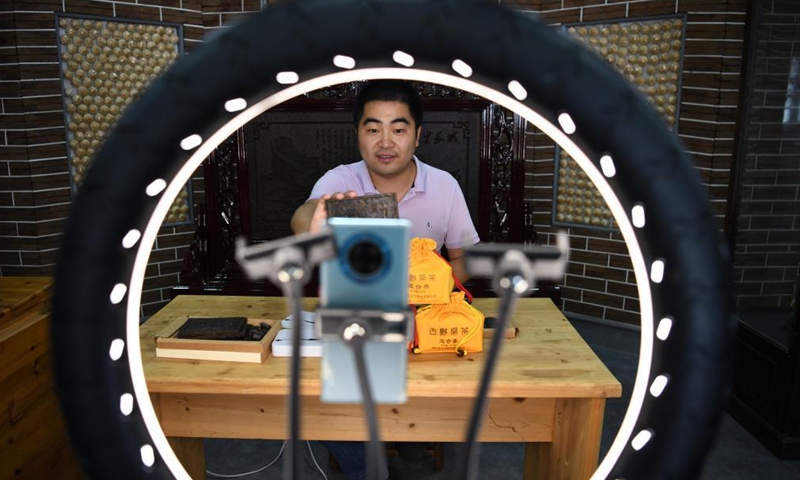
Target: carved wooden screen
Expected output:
[257,178]
[288,151]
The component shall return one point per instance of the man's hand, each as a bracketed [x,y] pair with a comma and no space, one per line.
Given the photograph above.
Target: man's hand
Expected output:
[312,214]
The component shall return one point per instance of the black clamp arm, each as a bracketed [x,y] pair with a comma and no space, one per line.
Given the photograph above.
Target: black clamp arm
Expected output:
[344,323]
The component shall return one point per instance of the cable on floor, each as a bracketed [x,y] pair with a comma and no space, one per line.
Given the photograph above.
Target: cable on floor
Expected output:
[314,459]
[239,475]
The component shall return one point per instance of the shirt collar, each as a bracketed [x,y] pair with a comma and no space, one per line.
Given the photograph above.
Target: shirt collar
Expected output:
[366,180]
[421,180]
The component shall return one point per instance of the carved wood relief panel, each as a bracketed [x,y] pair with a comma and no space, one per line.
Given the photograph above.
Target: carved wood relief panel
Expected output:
[258,176]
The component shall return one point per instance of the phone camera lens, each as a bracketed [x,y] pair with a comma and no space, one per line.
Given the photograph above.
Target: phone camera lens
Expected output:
[365,258]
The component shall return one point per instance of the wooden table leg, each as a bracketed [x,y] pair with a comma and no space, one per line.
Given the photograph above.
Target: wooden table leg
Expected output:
[191,454]
[189,451]
[573,453]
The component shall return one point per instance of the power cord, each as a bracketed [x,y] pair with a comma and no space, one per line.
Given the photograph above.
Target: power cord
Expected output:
[239,475]
[314,459]
[270,464]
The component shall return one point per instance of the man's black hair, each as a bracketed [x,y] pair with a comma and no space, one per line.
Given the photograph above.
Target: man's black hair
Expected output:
[389,91]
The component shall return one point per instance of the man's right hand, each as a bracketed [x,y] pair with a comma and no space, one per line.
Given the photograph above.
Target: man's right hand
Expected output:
[321,214]
[312,214]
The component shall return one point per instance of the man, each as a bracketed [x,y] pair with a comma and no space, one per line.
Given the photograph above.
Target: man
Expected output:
[388,122]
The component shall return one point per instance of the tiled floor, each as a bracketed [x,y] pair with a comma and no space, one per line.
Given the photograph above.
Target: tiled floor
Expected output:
[736,455]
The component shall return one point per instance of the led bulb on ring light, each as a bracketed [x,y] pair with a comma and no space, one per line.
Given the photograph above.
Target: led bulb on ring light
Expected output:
[117,347]
[658,385]
[343,61]
[664,328]
[403,59]
[641,439]
[462,68]
[235,105]
[148,455]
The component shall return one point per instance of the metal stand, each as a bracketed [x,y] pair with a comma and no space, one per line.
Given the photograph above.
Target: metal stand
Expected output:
[390,327]
[356,328]
[513,269]
[287,263]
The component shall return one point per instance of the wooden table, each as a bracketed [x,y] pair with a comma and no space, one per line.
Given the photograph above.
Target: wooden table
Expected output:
[33,435]
[549,391]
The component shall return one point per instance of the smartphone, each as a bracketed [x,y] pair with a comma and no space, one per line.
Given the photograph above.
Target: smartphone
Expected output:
[370,272]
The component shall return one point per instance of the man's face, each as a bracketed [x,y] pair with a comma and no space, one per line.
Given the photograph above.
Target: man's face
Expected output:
[387,138]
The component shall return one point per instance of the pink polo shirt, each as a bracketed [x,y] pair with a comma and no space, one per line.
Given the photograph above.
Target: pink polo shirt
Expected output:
[434,204]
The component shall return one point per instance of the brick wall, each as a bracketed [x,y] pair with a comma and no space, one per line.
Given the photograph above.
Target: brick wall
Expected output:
[34,172]
[34,183]
[768,236]
[600,281]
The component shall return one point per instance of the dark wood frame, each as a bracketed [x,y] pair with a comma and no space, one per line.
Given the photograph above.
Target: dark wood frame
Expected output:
[209,265]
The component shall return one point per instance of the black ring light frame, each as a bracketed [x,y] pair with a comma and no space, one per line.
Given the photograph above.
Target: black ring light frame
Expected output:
[613,133]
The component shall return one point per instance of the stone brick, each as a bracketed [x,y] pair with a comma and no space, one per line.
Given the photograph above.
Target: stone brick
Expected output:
[182,16]
[632,318]
[607,12]
[623,289]
[594,258]
[652,8]
[169,241]
[605,273]
[603,299]
[586,283]
[571,306]
[138,12]
[161,3]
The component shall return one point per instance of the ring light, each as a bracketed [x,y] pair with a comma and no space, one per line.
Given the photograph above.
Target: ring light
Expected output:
[613,133]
